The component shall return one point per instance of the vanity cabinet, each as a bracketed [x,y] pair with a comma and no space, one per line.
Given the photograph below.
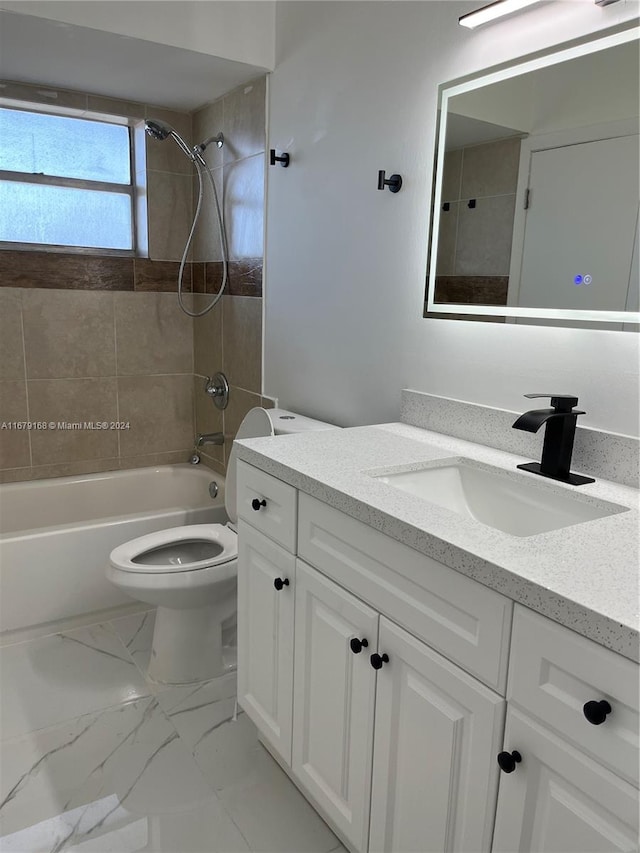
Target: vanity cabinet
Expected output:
[377,677]
[266,574]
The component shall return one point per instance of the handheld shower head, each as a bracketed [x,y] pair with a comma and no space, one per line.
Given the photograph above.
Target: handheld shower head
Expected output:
[157,129]
[161,131]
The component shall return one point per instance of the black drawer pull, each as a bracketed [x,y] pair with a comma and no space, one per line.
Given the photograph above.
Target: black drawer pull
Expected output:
[596,712]
[377,660]
[508,760]
[280,582]
[256,504]
[358,645]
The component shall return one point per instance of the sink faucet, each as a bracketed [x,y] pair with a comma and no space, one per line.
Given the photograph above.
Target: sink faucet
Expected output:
[209,438]
[559,434]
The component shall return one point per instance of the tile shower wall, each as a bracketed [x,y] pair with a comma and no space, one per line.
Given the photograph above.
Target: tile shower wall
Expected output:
[98,338]
[474,251]
[229,338]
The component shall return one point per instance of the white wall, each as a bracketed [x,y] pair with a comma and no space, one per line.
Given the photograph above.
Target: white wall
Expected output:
[355,91]
[243,31]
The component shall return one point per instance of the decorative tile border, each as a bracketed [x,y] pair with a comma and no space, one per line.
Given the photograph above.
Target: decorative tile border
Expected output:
[604,455]
[59,270]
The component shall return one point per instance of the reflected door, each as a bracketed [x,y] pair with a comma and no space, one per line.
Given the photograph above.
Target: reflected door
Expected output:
[580,227]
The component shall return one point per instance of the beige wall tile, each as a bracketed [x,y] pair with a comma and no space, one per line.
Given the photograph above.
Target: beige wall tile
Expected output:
[68,333]
[160,411]
[73,401]
[44,95]
[209,122]
[169,205]
[70,469]
[115,107]
[242,342]
[208,419]
[451,175]
[153,334]
[14,444]
[490,169]
[173,457]
[11,342]
[447,239]
[207,243]
[215,466]
[484,239]
[207,337]
[166,156]
[244,207]
[244,121]
[239,404]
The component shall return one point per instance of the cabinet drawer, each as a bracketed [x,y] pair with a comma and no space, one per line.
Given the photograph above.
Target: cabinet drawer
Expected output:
[277,517]
[465,621]
[552,674]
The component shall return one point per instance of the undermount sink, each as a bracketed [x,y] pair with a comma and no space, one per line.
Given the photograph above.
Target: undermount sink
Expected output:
[506,502]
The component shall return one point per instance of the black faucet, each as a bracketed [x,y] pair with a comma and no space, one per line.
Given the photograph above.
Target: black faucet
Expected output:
[558,438]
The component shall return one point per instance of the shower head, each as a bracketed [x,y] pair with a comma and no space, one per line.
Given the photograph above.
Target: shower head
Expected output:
[157,129]
[160,130]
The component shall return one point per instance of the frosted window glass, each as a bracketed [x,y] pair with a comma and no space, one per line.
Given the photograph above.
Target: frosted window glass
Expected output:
[64,147]
[63,216]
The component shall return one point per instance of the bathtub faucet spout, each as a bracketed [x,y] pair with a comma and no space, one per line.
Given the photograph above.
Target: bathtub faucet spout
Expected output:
[209,438]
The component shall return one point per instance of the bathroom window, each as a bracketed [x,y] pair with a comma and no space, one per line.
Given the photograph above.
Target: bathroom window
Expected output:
[65,182]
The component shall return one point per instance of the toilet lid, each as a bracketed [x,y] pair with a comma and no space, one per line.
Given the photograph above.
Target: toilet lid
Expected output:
[177,549]
[256,424]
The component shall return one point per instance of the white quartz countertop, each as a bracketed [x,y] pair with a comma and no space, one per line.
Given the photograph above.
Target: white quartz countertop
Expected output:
[584,576]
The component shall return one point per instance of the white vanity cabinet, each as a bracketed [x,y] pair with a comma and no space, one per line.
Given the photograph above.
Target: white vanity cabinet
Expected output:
[575,787]
[377,676]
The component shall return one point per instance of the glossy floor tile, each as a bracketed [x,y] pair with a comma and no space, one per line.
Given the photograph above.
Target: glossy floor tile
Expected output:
[56,678]
[96,760]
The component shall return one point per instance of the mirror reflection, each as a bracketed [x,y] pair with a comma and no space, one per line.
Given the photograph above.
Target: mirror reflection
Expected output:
[536,196]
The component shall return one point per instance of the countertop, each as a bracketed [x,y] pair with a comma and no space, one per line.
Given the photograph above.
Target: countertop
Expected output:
[584,576]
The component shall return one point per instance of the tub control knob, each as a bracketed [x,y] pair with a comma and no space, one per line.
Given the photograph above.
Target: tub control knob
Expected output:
[256,504]
[596,712]
[280,582]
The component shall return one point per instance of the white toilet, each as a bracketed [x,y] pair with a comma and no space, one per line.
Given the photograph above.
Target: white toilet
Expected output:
[190,573]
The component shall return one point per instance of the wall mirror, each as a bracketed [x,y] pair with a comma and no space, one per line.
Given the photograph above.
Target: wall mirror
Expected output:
[535,197]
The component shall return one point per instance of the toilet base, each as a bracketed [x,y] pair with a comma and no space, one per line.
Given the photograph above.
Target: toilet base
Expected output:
[187,645]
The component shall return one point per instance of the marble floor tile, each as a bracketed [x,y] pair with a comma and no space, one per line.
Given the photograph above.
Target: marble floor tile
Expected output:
[62,676]
[136,632]
[272,814]
[117,780]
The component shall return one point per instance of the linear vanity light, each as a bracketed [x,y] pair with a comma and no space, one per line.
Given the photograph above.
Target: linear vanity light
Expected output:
[493,11]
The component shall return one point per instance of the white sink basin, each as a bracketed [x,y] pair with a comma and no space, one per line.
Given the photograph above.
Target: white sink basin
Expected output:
[513,504]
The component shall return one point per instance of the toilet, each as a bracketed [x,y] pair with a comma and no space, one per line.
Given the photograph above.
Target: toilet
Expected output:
[190,573]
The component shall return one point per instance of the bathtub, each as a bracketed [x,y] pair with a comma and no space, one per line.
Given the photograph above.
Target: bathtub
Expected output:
[56,535]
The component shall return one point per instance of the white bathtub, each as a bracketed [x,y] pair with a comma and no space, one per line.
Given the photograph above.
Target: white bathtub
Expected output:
[56,535]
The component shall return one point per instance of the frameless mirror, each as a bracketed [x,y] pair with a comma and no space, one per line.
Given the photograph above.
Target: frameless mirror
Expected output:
[535,198]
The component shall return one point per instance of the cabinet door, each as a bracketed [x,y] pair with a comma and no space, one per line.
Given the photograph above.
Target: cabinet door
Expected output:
[557,800]
[334,701]
[437,734]
[265,636]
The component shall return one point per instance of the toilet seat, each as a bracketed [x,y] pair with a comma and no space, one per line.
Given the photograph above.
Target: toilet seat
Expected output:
[130,556]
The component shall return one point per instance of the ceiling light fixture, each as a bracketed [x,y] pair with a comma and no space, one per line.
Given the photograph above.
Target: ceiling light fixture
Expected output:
[494,11]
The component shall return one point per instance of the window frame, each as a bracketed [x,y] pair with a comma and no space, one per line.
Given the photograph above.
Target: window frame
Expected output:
[130,189]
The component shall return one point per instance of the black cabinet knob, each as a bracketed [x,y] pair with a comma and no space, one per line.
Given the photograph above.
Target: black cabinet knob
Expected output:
[280,582]
[377,660]
[256,504]
[358,645]
[508,760]
[596,712]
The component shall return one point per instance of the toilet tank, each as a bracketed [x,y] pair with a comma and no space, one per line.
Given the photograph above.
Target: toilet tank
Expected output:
[285,422]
